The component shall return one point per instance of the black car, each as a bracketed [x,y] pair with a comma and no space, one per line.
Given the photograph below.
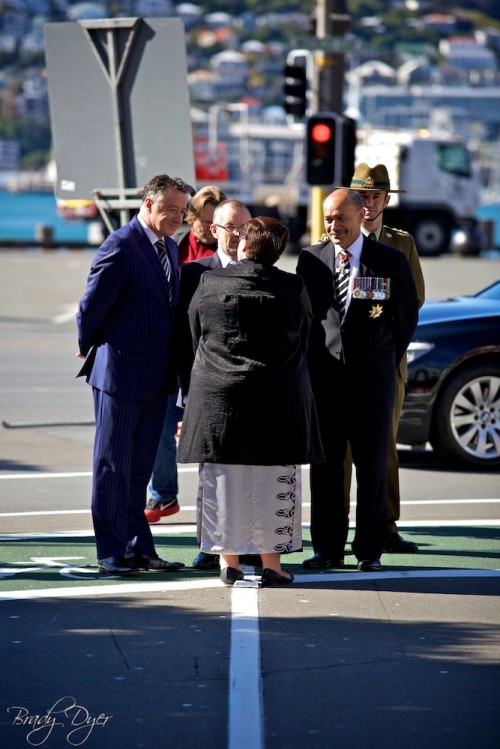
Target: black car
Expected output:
[453,392]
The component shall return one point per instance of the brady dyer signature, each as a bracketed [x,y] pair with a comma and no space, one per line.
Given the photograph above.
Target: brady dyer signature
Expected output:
[65,714]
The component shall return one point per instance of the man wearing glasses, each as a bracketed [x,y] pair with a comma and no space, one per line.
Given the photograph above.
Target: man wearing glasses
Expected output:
[229,217]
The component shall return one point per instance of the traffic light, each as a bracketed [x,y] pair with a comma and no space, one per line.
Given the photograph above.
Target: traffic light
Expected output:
[323,149]
[295,90]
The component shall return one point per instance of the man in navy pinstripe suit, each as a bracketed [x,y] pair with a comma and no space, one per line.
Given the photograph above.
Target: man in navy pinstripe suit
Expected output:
[125,334]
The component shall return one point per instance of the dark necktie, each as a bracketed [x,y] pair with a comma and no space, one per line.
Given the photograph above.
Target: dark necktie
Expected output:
[342,280]
[373,236]
[163,256]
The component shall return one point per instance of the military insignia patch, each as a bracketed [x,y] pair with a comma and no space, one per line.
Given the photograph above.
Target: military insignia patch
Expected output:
[376,311]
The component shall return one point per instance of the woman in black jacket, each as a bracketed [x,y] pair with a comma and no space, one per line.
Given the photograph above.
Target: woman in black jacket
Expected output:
[250,419]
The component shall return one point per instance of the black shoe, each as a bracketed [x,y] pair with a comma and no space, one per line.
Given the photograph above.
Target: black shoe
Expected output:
[229,575]
[396,544]
[205,561]
[117,567]
[369,565]
[270,577]
[322,561]
[146,562]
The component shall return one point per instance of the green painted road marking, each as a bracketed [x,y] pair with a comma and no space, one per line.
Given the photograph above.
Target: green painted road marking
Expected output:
[69,561]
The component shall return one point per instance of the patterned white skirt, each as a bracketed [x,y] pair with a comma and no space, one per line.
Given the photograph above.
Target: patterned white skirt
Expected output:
[249,509]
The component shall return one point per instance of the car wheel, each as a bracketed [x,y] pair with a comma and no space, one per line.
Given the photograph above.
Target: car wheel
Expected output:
[467,418]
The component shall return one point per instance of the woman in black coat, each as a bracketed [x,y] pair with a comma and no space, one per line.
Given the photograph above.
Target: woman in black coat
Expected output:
[250,419]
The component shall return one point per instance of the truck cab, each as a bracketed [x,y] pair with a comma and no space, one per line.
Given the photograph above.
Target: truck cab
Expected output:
[442,192]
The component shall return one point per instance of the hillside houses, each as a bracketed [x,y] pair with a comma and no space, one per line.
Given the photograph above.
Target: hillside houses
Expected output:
[240,56]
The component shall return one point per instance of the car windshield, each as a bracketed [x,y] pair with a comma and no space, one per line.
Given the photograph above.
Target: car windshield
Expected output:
[491,292]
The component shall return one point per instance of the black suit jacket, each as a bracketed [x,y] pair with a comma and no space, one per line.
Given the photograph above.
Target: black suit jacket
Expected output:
[374,334]
[250,400]
[190,275]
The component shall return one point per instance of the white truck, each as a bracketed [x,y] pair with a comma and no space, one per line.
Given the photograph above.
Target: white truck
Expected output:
[442,192]
[263,166]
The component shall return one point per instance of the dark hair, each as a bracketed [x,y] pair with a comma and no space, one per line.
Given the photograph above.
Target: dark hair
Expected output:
[266,239]
[208,195]
[155,186]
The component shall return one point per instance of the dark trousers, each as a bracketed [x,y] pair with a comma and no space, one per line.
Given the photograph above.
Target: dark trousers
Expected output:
[393,494]
[365,424]
[126,440]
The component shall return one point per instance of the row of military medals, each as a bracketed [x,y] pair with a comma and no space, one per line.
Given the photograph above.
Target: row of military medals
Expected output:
[370,287]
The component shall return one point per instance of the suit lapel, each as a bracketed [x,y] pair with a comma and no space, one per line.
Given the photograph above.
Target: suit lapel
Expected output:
[147,248]
[215,262]
[327,256]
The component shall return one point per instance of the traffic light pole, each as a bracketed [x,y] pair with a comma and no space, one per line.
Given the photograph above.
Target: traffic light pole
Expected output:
[331,20]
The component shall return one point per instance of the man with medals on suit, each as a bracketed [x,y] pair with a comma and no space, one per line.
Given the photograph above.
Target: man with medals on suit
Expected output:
[365,311]
[228,218]
[374,188]
[125,333]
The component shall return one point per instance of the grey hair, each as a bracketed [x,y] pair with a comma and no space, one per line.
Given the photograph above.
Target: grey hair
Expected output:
[154,188]
[236,204]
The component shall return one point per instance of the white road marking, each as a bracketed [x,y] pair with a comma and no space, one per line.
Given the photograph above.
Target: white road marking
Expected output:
[67,316]
[98,590]
[160,587]
[245,674]
[73,474]
[166,530]
[192,508]
[448,501]
[43,512]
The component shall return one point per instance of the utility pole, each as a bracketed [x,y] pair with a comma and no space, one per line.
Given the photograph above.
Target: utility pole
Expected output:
[332,22]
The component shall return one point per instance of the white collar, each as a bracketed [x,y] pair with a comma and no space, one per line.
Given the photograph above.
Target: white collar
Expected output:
[149,232]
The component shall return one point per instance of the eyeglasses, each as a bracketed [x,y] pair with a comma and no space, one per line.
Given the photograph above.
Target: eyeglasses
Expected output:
[231,228]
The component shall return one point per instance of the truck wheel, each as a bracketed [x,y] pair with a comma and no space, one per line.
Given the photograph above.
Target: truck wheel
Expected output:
[432,235]
[466,424]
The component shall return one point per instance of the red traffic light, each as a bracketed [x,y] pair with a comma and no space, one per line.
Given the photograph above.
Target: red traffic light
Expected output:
[323,142]
[321,133]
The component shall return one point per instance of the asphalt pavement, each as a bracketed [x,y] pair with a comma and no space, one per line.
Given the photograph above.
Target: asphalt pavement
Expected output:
[338,660]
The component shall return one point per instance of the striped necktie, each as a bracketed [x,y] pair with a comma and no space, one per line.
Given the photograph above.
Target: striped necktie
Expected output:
[342,280]
[163,256]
